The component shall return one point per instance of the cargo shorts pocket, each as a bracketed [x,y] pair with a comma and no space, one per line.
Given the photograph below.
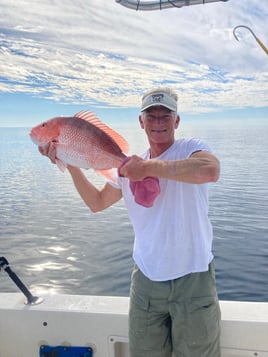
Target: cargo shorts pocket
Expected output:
[138,315]
[203,320]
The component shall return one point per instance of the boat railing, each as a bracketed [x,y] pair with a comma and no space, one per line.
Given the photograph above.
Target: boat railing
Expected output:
[161,4]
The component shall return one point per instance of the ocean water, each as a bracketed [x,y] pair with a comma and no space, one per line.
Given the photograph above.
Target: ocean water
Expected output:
[56,245]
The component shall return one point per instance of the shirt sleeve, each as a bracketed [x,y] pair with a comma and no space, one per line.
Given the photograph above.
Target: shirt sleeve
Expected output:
[194,145]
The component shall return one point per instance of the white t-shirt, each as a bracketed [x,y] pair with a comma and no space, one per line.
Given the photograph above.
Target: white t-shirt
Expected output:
[174,236]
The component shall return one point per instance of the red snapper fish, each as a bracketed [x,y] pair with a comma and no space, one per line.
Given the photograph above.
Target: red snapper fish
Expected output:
[82,141]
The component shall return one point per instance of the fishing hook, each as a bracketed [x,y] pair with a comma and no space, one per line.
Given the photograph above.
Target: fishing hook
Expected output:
[253,34]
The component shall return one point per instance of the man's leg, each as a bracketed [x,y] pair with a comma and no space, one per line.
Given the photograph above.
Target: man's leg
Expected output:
[196,316]
[149,320]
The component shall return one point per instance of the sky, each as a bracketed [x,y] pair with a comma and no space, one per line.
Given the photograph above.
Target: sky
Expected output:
[58,57]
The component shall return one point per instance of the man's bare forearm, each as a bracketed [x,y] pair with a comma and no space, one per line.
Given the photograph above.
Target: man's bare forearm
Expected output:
[97,200]
[196,170]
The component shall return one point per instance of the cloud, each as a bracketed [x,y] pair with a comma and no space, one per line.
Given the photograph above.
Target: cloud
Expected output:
[99,53]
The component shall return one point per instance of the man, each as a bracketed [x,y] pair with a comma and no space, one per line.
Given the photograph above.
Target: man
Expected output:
[173,300]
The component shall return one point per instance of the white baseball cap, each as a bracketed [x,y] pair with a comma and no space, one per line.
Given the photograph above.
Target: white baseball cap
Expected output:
[159,99]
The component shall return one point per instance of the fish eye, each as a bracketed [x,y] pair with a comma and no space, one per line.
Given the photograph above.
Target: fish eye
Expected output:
[44,124]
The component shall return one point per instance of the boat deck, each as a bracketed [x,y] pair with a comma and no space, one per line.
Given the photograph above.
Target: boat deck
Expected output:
[102,324]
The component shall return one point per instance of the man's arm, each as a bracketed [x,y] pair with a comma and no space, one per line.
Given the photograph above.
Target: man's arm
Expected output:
[201,167]
[97,200]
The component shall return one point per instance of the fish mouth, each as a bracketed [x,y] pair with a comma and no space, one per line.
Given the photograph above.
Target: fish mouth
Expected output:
[34,138]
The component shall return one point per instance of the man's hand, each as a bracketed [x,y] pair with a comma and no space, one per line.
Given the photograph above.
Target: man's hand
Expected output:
[134,168]
[49,150]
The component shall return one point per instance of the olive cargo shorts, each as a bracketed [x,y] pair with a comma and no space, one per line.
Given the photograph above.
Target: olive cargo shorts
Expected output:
[180,316]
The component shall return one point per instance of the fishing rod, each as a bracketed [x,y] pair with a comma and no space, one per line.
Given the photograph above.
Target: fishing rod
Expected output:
[160,4]
[31,300]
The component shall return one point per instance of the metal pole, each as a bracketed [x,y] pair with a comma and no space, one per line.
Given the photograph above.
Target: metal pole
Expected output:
[31,300]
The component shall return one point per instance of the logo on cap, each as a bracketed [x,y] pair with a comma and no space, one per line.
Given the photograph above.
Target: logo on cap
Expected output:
[157,98]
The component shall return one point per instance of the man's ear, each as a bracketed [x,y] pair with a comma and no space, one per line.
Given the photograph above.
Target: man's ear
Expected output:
[141,121]
[177,121]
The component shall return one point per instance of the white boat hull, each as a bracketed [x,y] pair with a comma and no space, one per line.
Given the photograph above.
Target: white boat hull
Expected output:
[102,324]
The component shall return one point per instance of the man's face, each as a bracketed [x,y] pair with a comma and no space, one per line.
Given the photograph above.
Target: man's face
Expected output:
[159,124]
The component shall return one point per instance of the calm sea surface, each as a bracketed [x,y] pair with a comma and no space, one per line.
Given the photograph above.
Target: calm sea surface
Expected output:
[55,244]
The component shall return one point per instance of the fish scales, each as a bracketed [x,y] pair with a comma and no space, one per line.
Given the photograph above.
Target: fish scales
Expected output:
[84,144]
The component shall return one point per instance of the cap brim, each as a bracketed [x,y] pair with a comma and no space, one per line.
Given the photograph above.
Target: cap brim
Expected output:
[158,105]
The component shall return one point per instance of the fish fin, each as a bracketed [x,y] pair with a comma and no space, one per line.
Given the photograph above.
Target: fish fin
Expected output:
[61,165]
[93,119]
[108,174]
